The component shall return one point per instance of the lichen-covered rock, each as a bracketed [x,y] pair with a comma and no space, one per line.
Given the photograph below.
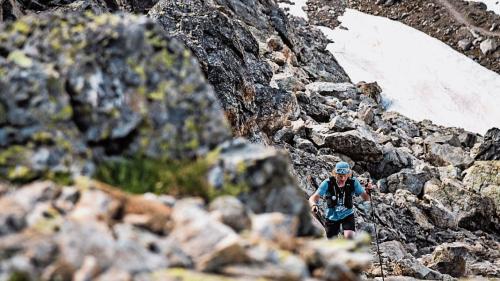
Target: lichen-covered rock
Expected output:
[473,211]
[12,10]
[260,177]
[70,108]
[449,258]
[484,178]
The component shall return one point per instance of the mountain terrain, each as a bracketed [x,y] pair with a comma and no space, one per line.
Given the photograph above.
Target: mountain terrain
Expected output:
[179,140]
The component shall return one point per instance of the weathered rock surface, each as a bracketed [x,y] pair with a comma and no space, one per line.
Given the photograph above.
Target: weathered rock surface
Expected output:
[74,109]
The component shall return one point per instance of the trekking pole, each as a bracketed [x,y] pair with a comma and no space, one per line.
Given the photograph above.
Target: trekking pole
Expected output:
[376,233]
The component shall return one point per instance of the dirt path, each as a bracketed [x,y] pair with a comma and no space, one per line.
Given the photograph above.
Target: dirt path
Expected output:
[461,19]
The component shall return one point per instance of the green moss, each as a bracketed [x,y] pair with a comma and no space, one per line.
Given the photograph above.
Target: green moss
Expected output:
[19,276]
[160,92]
[21,27]
[155,40]
[12,154]
[20,174]
[60,178]
[165,58]
[42,137]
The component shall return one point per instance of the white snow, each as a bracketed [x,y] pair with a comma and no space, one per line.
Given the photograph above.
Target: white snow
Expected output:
[493,5]
[296,8]
[422,77]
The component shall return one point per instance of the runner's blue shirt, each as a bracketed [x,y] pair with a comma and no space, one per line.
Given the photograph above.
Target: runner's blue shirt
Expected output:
[340,211]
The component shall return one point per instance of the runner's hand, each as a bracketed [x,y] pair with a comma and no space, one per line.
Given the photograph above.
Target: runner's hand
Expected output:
[314,208]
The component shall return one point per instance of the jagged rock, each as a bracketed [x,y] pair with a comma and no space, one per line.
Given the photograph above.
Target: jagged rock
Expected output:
[114,274]
[484,178]
[393,250]
[305,145]
[449,172]
[230,211]
[465,44]
[449,258]
[355,144]
[288,82]
[411,267]
[76,240]
[263,180]
[488,46]
[13,218]
[285,134]
[341,124]
[316,108]
[452,140]
[95,204]
[395,159]
[398,121]
[342,91]
[216,243]
[276,227]
[68,126]
[229,56]
[371,90]
[467,139]
[489,149]
[472,211]
[445,154]
[334,254]
[408,179]
[366,114]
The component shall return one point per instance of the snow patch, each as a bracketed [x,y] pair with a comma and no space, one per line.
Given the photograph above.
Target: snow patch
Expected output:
[295,9]
[421,76]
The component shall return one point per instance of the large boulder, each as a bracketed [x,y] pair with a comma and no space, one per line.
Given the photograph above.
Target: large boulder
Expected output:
[70,108]
[484,178]
[446,154]
[356,144]
[489,149]
[449,258]
[261,179]
[395,159]
[408,179]
[472,210]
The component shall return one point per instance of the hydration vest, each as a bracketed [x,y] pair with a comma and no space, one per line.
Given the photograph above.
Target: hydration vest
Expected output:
[334,192]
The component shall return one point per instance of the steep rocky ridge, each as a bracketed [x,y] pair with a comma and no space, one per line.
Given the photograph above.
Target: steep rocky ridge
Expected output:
[437,205]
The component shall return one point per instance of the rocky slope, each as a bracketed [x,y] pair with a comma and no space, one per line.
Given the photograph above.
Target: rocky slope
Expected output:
[465,26]
[121,99]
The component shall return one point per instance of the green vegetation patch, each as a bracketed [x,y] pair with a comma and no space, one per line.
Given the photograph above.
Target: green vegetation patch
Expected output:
[175,177]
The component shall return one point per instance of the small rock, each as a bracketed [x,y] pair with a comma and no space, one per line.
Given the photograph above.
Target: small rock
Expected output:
[488,46]
[464,44]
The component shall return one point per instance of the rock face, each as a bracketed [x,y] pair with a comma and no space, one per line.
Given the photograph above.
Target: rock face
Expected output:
[230,59]
[77,108]
[490,148]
